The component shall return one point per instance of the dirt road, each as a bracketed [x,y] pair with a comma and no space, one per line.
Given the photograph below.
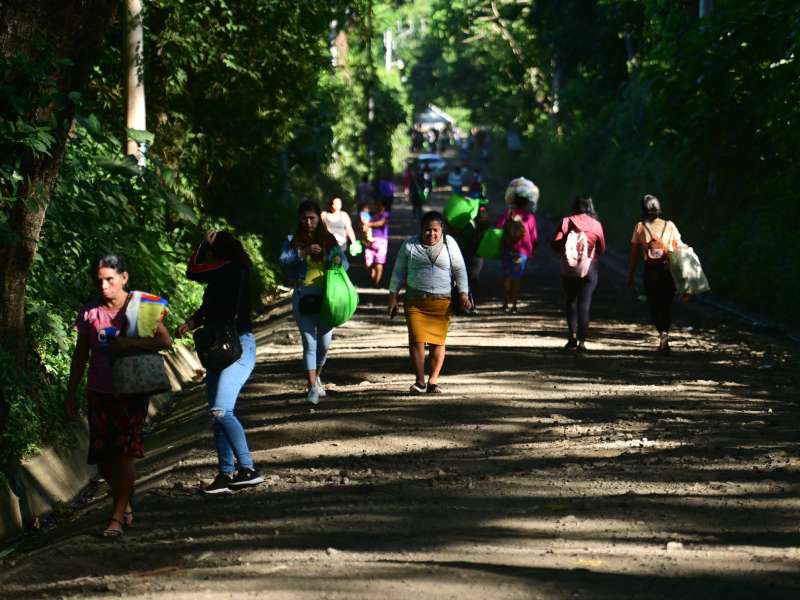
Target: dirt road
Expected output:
[538,474]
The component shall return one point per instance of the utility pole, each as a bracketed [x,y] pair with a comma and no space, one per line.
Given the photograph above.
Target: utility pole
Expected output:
[387,45]
[133,57]
[370,99]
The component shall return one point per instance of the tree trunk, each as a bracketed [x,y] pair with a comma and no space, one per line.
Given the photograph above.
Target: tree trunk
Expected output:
[73,30]
[133,52]
[704,8]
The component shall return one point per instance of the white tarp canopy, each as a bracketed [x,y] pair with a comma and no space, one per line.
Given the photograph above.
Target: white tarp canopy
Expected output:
[434,117]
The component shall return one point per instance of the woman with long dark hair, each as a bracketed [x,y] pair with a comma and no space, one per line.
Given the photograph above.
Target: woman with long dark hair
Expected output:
[115,421]
[304,257]
[223,265]
[580,242]
[653,239]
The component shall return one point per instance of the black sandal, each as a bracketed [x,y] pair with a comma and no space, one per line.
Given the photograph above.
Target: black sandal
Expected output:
[418,389]
[434,389]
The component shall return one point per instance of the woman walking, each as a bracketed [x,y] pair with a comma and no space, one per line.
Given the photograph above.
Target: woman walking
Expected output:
[304,258]
[115,421]
[222,264]
[339,224]
[426,266]
[519,237]
[376,251]
[580,242]
[653,239]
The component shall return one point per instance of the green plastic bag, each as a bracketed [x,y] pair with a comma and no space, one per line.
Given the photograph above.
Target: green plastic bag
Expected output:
[459,210]
[491,245]
[341,298]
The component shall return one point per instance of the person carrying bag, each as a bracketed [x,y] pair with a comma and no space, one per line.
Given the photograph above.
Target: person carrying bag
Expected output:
[579,241]
[307,258]
[653,240]
[227,348]
[117,390]
[427,265]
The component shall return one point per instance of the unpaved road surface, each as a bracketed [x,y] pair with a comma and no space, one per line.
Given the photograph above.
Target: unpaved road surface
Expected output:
[538,474]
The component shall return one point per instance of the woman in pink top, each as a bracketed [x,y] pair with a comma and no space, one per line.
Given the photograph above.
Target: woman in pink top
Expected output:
[517,252]
[587,244]
[115,422]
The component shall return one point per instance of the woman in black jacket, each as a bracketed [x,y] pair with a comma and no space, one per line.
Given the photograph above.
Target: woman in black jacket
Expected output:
[222,263]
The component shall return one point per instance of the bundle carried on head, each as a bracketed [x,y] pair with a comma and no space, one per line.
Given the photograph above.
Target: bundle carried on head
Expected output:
[521,188]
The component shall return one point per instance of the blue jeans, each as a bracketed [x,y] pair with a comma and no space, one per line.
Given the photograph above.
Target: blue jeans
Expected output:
[223,389]
[316,335]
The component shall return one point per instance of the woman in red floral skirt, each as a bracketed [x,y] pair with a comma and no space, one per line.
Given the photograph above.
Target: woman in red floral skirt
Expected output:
[115,422]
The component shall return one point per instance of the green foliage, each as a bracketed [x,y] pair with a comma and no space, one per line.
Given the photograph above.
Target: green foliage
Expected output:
[243,108]
[28,96]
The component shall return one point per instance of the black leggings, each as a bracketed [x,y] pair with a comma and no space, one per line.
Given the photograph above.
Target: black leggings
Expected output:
[660,289]
[579,292]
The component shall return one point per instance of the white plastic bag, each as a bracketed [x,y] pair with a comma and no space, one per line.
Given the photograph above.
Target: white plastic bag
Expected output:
[687,271]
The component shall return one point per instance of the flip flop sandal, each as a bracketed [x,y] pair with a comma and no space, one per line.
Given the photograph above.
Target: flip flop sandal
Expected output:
[127,518]
[418,389]
[434,389]
[113,533]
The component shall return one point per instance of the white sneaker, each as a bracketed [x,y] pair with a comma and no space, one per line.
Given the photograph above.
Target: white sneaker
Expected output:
[320,387]
[313,395]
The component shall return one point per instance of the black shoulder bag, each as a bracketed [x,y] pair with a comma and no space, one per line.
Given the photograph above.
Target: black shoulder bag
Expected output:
[217,342]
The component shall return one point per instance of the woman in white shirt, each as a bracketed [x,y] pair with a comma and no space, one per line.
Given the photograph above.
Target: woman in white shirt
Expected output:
[339,224]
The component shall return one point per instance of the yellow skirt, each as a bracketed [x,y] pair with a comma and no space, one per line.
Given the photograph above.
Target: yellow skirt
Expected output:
[428,320]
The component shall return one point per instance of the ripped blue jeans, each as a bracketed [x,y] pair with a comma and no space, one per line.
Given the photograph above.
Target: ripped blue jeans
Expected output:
[223,389]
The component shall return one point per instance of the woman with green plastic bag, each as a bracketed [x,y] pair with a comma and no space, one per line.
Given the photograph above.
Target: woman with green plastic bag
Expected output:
[305,258]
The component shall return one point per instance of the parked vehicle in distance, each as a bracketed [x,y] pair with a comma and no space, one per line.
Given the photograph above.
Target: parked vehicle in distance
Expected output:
[436,164]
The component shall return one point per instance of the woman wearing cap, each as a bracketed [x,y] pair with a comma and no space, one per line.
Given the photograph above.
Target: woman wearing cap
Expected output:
[653,239]
[222,264]
[426,266]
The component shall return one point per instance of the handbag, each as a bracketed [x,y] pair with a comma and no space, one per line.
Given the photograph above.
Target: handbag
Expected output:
[139,373]
[217,342]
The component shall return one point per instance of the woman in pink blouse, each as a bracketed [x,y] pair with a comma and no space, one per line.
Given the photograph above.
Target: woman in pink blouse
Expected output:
[517,252]
[579,287]
[115,422]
